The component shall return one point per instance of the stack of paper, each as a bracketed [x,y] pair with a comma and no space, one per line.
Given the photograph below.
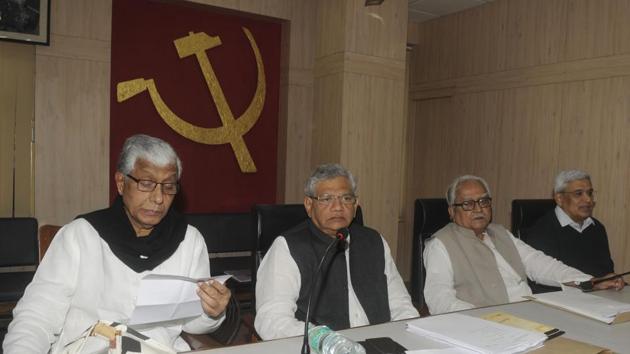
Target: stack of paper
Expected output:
[595,307]
[475,334]
[511,320]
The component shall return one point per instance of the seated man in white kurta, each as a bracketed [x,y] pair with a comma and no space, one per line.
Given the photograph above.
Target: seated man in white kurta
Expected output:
[473,263]
[94,265]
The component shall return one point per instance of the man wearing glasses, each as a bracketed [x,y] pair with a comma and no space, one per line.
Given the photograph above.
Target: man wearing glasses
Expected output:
[94,265]
[472,262]
[358,286]
[569,233]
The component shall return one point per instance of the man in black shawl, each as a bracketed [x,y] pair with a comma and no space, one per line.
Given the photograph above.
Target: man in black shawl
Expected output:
[94,266]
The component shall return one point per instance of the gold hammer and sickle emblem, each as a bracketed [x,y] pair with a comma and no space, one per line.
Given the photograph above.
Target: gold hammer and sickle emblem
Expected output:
[232,130]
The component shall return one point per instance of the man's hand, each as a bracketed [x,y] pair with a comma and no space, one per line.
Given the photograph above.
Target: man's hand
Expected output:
[616,283]
[214,297]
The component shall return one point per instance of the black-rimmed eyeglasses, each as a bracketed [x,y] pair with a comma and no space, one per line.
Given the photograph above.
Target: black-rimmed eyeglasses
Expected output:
[579,193]
[147,185]
[326,199]
[469,205]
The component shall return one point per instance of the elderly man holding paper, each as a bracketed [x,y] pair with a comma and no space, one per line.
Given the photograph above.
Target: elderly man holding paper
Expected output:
[95,265]
[472,262]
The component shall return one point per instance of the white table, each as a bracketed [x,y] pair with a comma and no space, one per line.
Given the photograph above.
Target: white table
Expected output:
[615,337]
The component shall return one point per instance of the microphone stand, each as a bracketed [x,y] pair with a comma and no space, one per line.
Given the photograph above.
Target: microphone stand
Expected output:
[340,241]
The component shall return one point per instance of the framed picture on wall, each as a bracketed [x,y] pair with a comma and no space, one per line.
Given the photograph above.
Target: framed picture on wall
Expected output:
[25,21]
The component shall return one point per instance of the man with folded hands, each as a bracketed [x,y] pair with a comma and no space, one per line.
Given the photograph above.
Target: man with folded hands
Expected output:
[472,262]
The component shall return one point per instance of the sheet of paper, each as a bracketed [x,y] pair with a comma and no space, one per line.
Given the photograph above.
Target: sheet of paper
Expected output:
[476,334]
[588,305]
[164,297]
[240,275]
[440,351]
[511,320]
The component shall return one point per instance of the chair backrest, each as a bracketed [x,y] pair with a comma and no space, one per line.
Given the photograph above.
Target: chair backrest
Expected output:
[46,235]
[18,242]
[18,256]
[525,213]
[229,238]
[430,215]
[271,220]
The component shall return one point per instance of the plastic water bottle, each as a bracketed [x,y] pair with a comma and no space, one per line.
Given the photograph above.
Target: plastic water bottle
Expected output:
[324,340]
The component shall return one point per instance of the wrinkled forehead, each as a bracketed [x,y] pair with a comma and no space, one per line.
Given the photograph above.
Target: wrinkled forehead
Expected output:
[583,184]
[339,184]
[152,168]
[470,189]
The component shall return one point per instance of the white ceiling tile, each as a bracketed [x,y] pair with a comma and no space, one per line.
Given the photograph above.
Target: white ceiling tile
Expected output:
[438,8]
[416,16]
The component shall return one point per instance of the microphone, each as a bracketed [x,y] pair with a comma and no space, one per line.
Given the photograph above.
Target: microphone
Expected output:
[588,285]
[340,241]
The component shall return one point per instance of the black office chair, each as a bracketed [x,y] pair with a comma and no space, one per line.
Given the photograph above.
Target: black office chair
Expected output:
[271,220]
[18,256]
[430,215]
[525,213]
[230,240]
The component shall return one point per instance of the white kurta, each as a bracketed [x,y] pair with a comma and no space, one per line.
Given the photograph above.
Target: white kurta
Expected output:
[80,281]
[278,288]
[439,287]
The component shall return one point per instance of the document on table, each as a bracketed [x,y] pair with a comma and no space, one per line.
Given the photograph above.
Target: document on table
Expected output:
[592,306]
[439,351]
[164,297]
[475,334]
[511,320]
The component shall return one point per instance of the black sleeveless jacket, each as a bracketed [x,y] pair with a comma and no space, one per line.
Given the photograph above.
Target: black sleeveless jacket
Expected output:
[367,272]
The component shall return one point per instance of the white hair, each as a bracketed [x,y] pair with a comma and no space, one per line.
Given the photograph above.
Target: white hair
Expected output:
[326,172]
[565,177]
[452,188]
[153,150]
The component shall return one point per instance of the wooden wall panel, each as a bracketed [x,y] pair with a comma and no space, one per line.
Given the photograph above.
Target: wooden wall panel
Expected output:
[535,32]
[372,148]
[327,123]
[359,99]
[405,233]
[621,30]
[596,123]
[431,170]
[274,8]
[299,138]
[376,30]
[481,54]
[72,138]
[559,101]
[72,112]
[86,19]
[589,26]
[531,124]
[17,77]
[331,29]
